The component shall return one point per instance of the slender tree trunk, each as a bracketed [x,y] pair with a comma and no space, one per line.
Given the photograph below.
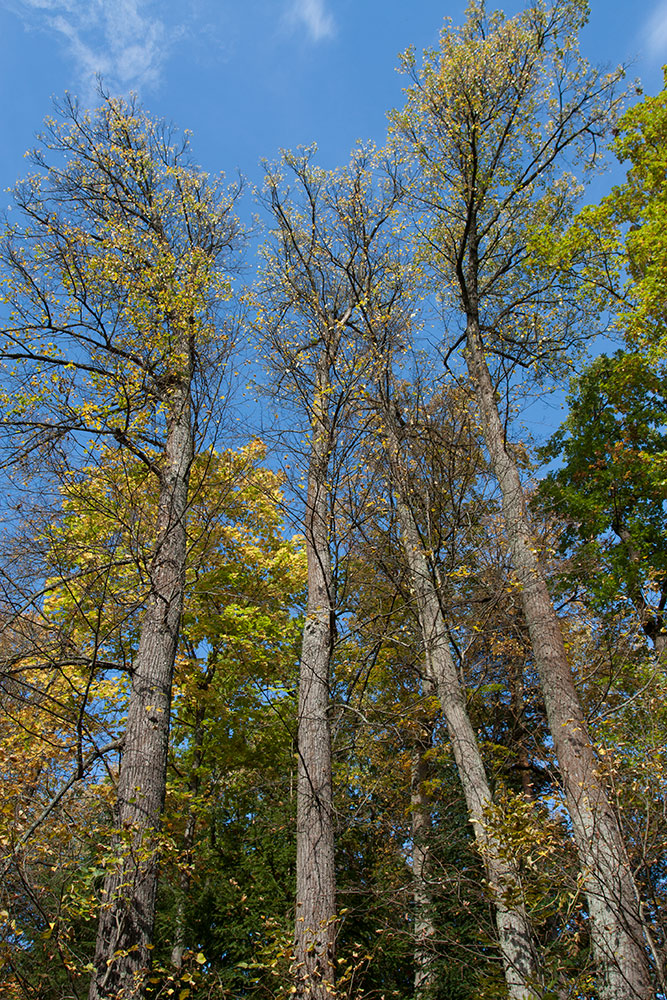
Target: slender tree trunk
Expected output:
[515,668]
[660,643]
[127,915]
[315,930]
[184,879]
[421,827]
[651,618]
[184,884]
[514,931]
[612,897]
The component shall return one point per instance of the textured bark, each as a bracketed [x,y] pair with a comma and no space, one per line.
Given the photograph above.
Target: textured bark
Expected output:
[420,805]
[611,892]
[315,931]
[127,914]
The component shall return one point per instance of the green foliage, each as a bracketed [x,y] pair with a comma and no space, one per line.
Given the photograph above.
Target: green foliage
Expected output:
[232,715]
[610,490]
[619,247]
[637,210]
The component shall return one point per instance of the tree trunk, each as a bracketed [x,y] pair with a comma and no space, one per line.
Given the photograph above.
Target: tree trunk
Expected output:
[514,932]
[184,879]
[315,930]
[421,827]
[127,915]
[612,896]
[651,618]
[515,668]
[184,886]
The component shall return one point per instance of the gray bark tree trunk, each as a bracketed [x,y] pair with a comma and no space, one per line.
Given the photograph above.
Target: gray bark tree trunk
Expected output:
[127,914]
[514,931]
[315,929]
[613,903]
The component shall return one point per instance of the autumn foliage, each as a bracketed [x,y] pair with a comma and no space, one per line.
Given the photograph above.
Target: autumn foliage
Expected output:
[317,685]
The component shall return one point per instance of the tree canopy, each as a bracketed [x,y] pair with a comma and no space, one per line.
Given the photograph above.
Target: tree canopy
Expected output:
[326,689]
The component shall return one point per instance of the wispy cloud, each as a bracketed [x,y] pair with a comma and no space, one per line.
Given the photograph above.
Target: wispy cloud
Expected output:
[314,16]
[121,40]
[655,30]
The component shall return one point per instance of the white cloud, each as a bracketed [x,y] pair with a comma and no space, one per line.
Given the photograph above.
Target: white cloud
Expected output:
[314,16]
[655,30]
[120,40]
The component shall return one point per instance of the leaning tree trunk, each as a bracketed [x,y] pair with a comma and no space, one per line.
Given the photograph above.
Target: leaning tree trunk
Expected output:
[610,889]
[514,932]
[315,930]
[127,914]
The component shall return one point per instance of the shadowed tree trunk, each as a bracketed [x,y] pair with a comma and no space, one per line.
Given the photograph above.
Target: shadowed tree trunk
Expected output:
[184,878]
[519,736]
[420,804]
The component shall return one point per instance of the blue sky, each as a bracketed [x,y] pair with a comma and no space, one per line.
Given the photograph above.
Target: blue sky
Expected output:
[251,76]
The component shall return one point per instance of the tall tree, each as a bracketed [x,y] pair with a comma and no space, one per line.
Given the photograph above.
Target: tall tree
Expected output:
[380,285]
[305,307]
[492,121]
[612,483]
[114,281]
